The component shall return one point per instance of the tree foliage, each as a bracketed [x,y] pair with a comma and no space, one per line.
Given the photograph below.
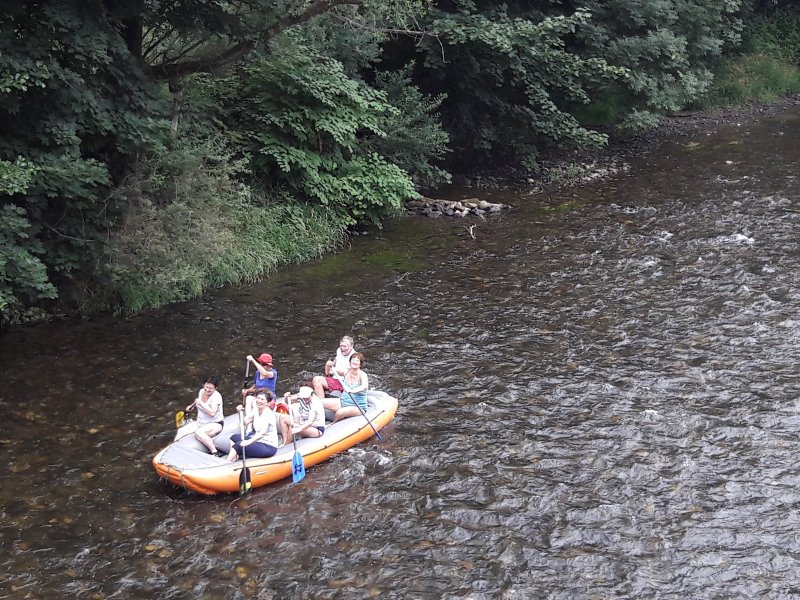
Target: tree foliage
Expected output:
[73,110]
[88,89]
[669,47]
[301,120]
[414,139]
[134,128]
[508,80]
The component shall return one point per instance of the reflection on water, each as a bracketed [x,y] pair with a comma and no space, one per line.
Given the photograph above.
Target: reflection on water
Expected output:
[596,402]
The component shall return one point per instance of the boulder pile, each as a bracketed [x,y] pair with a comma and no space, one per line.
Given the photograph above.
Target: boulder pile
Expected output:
[432,207]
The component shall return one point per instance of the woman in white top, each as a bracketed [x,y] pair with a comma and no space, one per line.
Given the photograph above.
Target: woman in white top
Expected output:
[263,442]
[307,418]
[209,420]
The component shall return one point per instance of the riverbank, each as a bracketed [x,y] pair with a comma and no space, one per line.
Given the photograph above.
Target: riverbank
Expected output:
[581,167]
[558,172]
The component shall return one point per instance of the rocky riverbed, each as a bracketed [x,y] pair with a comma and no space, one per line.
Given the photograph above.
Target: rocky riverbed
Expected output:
[579,167]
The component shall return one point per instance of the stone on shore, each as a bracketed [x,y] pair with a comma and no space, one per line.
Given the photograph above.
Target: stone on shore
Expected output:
[435,207]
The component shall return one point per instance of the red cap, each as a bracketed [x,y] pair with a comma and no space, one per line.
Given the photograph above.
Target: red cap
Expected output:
[265,359]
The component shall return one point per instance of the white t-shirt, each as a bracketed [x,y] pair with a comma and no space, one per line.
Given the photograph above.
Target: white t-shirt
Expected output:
[264,426]
[303,409]
[214,403]
[341,364]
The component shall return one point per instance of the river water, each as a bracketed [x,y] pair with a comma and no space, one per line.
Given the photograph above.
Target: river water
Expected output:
[598,400]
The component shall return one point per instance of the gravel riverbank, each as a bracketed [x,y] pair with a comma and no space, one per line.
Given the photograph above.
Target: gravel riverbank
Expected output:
[581,167]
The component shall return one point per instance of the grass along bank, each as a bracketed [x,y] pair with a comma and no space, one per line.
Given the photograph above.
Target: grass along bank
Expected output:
[766,65]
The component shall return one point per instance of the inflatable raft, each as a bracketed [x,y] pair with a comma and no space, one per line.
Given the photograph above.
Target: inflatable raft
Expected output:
[187,463]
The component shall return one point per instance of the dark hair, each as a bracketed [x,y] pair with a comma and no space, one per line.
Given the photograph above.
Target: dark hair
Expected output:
[213,380]
[357,355]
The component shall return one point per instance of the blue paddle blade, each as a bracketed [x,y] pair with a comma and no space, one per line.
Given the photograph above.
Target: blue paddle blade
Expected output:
[298,468]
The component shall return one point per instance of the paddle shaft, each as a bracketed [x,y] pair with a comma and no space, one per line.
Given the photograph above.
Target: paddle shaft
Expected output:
[245,477]
[361,410]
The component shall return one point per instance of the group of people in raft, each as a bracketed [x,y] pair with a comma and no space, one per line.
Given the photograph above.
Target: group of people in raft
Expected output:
[301,414]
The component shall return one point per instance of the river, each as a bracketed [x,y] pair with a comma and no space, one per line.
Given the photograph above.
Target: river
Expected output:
[598,399]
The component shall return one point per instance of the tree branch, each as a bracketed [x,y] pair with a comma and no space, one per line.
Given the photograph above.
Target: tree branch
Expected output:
[219,61]
[154,43]
[364,27]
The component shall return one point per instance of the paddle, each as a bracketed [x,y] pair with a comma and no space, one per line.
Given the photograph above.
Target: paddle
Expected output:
[361,410]
[180,416]
[245,481]
[298,467]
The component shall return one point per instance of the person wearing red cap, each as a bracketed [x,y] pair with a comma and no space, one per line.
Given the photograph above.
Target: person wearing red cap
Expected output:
[265,377]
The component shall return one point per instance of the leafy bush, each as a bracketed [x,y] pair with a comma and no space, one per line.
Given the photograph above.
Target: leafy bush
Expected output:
[639,120]
[668,46]
[303,123]
[192,224]
[509,80]
[766,66]
[775,34]
[15,177]
[23,276]
[414,139]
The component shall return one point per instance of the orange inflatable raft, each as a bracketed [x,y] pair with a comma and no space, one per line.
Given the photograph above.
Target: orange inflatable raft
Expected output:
[186,463]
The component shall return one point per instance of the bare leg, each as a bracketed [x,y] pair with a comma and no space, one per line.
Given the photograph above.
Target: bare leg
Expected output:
[333,404]
[319,384]
[205,433]
[249,404]
[346,412]
[187,429]
[286,427]
[310,432]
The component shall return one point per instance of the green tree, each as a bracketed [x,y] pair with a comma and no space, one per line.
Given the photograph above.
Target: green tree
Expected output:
[74,107]
[669,47]
[509,79]
[301,120]
[415,140]
[89,88]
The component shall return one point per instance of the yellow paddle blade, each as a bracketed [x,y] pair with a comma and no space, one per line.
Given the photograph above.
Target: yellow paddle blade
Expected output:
[245,482]
[180,417]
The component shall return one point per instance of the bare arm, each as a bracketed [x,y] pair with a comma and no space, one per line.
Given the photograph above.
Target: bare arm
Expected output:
[196,400]
[210,407]
[363,383]
[312,415]
[265,371]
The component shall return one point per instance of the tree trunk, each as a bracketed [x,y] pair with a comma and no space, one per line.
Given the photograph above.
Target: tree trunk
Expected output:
[176,88]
